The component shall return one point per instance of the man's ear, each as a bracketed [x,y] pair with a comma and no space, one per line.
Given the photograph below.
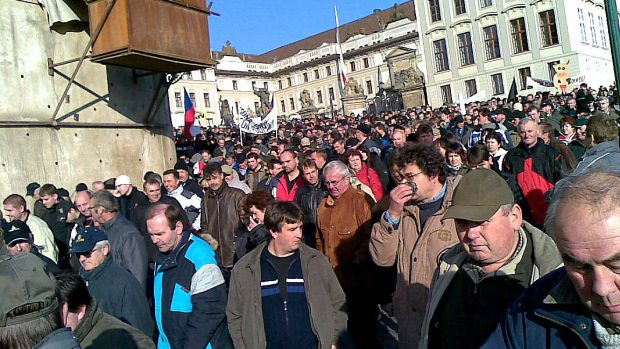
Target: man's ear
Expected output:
[64,312]
[516,217]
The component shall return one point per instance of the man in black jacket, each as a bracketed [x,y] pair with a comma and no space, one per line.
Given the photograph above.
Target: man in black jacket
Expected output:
[130,196]
[309,197]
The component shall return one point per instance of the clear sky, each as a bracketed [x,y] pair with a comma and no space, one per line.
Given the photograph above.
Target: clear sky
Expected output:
[258,26]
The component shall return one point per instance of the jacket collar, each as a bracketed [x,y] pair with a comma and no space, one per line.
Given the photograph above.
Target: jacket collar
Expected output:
[96,273]
[92,316]
[306,254]
[219,191]
[107,225]
[177,191]
[170,260]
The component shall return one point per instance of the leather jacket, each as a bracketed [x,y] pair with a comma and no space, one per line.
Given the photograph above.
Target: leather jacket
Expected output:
[309,197]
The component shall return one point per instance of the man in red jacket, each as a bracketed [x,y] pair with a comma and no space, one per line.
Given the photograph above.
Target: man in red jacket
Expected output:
[290,179]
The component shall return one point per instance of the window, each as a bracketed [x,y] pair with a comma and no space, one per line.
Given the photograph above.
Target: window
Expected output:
[192,97]
[203,74]
[433,6]
[466,50]
[292,103]
[582,25]
[282,106]
[459,7]
[366,62]
[441,55]
[369,87]
[305,77]
[319,97]
[331,94]
[352,65]
[524,73]
[550,67]
[253,85]
[497,84]
[593,29]
[289,82]
[316,74]
[491,42]
[548,29]
[235,86]
[603,30]
[470,87]
[519,35]
[280,84]
[486,3]
[446,94]
[328,70]
[187,76]
[237,107]
[177,100]
[265,85]
[207,100]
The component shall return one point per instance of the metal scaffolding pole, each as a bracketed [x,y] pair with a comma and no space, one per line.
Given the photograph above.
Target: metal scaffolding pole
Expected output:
[611,10]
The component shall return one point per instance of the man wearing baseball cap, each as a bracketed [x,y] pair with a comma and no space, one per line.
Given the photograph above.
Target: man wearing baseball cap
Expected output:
[18,239]
[499,256]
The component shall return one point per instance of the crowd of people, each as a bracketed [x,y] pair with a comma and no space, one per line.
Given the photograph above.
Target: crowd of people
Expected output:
[493,226]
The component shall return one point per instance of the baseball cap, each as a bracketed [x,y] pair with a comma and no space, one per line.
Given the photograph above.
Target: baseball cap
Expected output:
[122,179]
[24,280]
[81,187]
[226,169]
[517,106]
[110,183]
[30,188]
[86,240]
[365,129]
[478,196]
[581,122]
[16,231]
[180,165]
[305,142]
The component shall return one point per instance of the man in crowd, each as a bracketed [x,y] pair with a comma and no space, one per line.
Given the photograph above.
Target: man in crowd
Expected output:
[117,292]
[302,302]
[43,238]
[604,154]
[94,328]
[126,243]
[56,217]
[411,234]
[319,156]
[190,293]
[533,168]
[29,306]
[256,171]
[577,305]
[270,183]
[188,200]
[343,231]
[129,196]
[18,239]
[309,197]
[363,136]
[220,212]
[499,256]
[187,182]
[290,179]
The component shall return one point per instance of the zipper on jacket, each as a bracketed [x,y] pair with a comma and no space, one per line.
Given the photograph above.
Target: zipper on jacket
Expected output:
[568,327]
[286,315]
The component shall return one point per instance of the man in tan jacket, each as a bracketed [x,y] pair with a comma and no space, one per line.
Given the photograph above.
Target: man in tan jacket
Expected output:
[411,234]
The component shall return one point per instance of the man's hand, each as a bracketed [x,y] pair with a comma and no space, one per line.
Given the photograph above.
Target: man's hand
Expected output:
[398,197]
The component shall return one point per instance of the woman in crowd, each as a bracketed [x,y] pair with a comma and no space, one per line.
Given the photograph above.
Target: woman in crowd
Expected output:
[364,173]
[456,160]
[493,143]
[568,129]
[252,214]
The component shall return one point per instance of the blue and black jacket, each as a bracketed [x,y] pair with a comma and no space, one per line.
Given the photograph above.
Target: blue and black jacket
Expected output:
[190,297]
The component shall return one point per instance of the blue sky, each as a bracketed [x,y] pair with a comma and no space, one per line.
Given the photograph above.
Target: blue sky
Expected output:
[255,26]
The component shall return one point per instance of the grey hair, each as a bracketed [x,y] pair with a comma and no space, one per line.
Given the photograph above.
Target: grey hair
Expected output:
[106,200]
[579,190]
[101,244]
[338,166]
[526,120]
[506,209]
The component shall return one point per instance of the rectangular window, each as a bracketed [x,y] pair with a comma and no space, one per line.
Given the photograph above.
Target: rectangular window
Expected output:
[192,97]
[486,3]
[441,55]
[235,86]
[316,74]
[253,85]
[366,62]
[369,87]
[319,97]
[550,67]
[328,70]
[491,42]
[524,73]
[177,100]
[282,106]
[593,32]
[352,65]
[470,87]
[602,26]
[289,82]
[280,84]
[187,76]
[519,36]
[497,84]
[548,29]
[582,26]
[331,94]
[207,100]
[433,6]
[266,86]
[466,50]
[305,77]
[292,103]
[203,74]
[459,7]
[446,94]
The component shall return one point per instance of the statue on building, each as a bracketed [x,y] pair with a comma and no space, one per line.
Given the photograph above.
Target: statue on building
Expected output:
[352,88]
[306,101]
[263,95]
[229,50]
[407,78]
[225,113]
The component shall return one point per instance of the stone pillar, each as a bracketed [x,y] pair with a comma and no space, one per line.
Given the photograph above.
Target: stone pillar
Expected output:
[353,102]
[308,113]
[413,96]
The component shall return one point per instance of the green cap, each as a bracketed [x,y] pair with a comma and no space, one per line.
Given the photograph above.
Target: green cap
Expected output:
[23,280]
[478,196]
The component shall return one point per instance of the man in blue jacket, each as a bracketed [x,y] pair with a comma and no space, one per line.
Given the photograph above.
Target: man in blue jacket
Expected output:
[190,293]
[577,306]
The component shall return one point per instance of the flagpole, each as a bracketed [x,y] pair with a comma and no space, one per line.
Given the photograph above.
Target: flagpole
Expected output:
[340,61]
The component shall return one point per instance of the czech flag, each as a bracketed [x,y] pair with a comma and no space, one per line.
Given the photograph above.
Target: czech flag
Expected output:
[190,115]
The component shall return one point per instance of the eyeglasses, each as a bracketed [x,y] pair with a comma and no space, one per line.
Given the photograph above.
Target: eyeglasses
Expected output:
[411,176]
[334,183]
[86,254]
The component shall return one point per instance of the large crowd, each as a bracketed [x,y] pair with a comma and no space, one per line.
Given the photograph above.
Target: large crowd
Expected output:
[493,226]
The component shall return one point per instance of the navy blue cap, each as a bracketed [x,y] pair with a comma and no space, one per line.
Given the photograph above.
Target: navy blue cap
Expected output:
[86,240]
[17,231]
